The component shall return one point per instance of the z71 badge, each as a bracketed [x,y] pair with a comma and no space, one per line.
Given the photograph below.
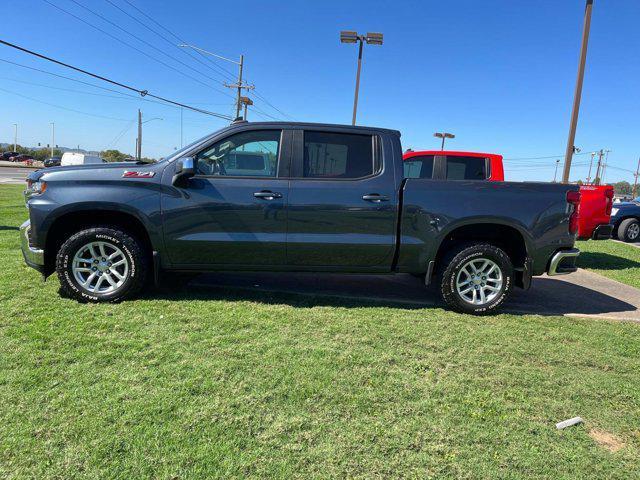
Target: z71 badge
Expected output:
[129,174]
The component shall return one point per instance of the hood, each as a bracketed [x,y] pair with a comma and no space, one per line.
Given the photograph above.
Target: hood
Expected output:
[626,204]
[84,169]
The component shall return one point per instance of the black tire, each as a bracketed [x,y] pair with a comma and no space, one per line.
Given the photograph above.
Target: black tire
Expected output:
[132,252]
[459,257]
[629,230]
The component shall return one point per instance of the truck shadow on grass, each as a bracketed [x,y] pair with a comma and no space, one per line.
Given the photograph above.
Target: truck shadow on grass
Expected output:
[547,296]
[597,260]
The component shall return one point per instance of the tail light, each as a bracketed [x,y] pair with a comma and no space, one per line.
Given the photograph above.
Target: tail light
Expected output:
[573,198]
[609,199]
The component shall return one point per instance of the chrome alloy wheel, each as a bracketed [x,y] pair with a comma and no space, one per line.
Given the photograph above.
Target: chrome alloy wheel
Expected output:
[633,231]
[479,281]
[100,267]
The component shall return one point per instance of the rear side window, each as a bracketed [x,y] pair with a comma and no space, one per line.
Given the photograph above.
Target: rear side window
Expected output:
[338,155]
[419,167]
[466,168]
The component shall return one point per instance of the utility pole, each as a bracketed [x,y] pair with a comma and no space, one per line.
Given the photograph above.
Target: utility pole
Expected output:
[53,136]
[597,177]
[578,92]
[635,182]
[604,165]
[15,137]
[239,86]
[139,142]
[593,154]
[181,128]
[555,175]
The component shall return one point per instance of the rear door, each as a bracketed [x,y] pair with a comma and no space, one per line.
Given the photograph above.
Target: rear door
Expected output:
[233,212]
[342,201]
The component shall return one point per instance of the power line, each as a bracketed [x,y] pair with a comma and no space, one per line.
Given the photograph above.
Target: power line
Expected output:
[166,39]
[542,158]
[145,42]
[224,70]
[271,105]
[63,108]
[113,82]
[128,45]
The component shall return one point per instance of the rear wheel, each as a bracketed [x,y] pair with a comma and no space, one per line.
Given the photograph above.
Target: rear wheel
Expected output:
[101,264]
[477,278]
[629,230]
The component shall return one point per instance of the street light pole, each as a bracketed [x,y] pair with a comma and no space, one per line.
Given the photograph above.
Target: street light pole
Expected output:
[15,137]
[443,136]
[355,98]
[53,136]
[578,92]
[555,175]
[139,144]
[348,36]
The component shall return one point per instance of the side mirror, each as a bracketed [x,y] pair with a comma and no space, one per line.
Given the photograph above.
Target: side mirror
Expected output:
[185,169]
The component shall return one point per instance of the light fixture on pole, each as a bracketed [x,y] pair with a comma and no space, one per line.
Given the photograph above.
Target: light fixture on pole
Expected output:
[443,136]
[372,38]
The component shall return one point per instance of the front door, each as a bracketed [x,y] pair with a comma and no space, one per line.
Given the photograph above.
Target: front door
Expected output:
[342,202]
[233,212]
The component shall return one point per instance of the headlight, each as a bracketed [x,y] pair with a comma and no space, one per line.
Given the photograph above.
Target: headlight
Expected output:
[36,188]
[614,211]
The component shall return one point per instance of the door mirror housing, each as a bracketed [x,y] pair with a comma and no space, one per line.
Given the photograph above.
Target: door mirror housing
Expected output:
[185,169]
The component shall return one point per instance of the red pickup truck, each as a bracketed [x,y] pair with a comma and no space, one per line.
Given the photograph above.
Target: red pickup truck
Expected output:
[596,201]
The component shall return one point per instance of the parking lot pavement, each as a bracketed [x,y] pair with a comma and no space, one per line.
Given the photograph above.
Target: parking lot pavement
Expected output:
[636,244]
[15,175]
[581,294]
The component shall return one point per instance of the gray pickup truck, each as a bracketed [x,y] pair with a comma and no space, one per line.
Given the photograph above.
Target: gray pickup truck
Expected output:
[294,197]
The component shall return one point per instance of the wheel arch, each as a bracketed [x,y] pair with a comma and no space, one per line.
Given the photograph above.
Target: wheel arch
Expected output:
[513,240]
[78,218]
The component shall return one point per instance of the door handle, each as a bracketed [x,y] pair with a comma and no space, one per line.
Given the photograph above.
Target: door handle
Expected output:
[375,198]
[267,195]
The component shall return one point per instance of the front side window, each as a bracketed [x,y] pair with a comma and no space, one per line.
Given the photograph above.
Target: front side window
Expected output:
[466,168]
[338,155]
[419,167]
[245,154]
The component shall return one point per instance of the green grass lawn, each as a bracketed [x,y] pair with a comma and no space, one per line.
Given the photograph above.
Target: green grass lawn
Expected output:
[216,383]
[615,260]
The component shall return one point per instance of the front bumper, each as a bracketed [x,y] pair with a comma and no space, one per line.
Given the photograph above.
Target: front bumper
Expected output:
[34,257]
[602,232]
[563,262]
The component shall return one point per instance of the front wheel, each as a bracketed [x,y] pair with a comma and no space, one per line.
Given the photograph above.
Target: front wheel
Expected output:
[101,264]
[477,278]
[629,230]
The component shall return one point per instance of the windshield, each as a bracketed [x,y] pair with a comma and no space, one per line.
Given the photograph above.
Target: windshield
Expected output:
[179,153]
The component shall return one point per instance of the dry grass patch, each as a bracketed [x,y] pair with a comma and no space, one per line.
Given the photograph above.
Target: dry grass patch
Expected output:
[606,440]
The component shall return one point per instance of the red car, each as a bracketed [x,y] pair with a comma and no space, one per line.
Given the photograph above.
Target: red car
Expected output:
[23,157]
[596,201]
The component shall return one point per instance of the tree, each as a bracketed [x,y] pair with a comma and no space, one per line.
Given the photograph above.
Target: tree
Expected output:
[113,156]
[622,188]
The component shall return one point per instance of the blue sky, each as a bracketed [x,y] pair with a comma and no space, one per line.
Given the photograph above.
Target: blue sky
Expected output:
[499,74]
